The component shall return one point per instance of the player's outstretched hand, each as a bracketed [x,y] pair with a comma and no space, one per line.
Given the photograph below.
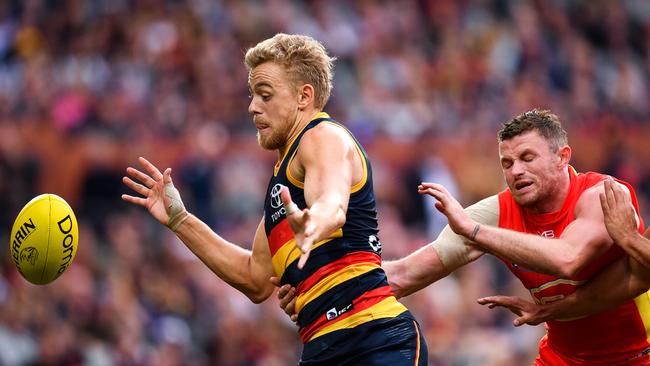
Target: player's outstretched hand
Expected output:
[301,225]
[287,297]
[620,217]
[458,219]
[527,312]
[160,196]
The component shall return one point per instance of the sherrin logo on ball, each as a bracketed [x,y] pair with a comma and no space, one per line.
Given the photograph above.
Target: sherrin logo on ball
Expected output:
[44,239]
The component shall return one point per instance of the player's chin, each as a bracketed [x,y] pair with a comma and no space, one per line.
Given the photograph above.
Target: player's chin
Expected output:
[268,141]
[525,200]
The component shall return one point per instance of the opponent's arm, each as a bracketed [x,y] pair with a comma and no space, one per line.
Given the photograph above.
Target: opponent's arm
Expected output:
[247,271]
[622,222]
[581,241]
[440,257]
[326,158]
[621,281]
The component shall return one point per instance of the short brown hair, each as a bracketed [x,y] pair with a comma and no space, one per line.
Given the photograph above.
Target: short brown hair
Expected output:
[304,58]
[541,120]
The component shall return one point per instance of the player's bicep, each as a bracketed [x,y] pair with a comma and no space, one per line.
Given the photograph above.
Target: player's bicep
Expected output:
[587,235]
[261,266]
[325,158]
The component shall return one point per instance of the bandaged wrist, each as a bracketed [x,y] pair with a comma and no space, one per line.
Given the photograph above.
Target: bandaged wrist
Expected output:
[177,212]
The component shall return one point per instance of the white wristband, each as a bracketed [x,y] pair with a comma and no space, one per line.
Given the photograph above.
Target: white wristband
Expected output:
[291,208]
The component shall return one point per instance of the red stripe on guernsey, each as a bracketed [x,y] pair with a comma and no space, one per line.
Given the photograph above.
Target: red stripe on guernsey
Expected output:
[280,235]
[337,265]
[361,303]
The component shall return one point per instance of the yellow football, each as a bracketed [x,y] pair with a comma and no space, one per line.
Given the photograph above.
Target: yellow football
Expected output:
[44,239]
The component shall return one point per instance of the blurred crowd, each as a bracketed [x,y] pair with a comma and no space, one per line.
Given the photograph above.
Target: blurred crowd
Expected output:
[87,86]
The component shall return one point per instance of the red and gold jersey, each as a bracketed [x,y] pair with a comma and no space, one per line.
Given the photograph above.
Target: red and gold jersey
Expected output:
[615,337]
[342,284]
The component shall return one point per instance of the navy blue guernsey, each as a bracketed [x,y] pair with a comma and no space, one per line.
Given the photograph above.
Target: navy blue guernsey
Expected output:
[342,284]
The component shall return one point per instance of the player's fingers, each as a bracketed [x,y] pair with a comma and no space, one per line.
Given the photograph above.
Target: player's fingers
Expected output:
[310,229]
[135,186]
[135,200]
[145,179]
[287,302]
[609,193]
[497,299]
[303,258]
[150,169]
[294,318]
[285,195]
[282,293]
[619,193]
[291,309]
[275,281]
[603,203]
[167,176]
[524,319]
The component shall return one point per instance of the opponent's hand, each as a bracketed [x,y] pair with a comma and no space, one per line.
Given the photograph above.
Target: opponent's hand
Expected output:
[161,198]
[527,312]
[301,225]
[287,297]
[459,220]
[620,216]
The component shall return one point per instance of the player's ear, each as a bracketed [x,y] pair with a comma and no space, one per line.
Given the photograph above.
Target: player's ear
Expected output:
[305,96]
[564,155]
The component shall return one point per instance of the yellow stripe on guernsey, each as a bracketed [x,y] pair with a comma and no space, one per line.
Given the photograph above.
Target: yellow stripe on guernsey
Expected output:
[289,252]
[332,280]
[559,281]
[356,186]
[277,166]
[643,305]
[386,308]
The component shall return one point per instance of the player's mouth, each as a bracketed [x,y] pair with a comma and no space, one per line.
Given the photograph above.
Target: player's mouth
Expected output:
[523,186]
[261,126]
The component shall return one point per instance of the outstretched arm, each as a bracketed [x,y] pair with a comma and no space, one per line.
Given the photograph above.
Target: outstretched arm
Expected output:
[246,270]
[622,281]
[442,256]
[581,241]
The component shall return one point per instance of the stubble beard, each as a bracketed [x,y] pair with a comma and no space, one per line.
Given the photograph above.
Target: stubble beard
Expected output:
[274,141]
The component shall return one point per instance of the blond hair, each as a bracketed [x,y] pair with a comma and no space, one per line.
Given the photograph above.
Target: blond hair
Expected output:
[304,58]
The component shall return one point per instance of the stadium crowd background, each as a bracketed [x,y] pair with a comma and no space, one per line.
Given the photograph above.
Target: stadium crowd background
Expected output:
[87,86]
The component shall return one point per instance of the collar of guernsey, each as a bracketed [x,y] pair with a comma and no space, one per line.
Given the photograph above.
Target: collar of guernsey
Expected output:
[342,285]
[319,115]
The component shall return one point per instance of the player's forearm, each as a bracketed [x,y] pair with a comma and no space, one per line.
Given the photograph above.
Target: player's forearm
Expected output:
[327,216]
[228,261]
[622,281]
[527,250]
[415,271]
[638,247]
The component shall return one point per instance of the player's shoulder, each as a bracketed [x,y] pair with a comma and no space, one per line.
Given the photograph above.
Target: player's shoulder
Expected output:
[330,133]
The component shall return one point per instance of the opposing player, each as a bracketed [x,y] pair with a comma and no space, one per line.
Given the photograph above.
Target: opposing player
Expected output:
[549,230]
[552,235]
[346,311]
[610,288]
